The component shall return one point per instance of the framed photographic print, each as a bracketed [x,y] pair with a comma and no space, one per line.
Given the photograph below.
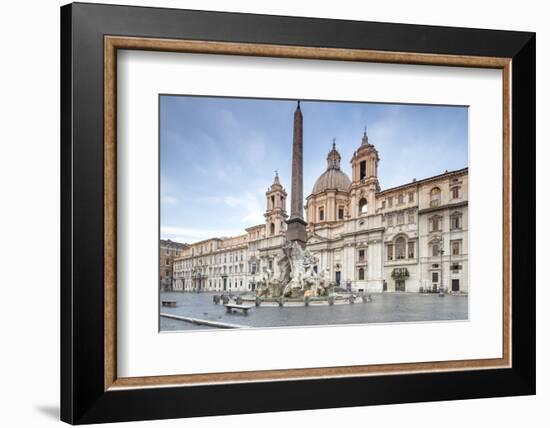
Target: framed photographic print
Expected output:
[273,213]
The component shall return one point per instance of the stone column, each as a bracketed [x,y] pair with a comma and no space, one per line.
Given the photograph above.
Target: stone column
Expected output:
[296,230]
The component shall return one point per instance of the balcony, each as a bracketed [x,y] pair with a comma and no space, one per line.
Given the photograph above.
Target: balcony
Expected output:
[361,261]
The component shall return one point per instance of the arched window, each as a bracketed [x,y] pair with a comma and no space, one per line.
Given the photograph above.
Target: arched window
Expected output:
[363,209]
[400,248]
[272,229]
[435,197]
[361,274]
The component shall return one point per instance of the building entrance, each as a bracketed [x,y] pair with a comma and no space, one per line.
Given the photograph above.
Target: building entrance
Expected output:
[400,285]
[455,285]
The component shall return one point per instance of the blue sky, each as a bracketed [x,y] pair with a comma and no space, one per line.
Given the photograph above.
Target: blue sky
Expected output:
[219,155]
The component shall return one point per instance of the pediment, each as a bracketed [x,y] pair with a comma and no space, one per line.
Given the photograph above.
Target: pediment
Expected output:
[315,238]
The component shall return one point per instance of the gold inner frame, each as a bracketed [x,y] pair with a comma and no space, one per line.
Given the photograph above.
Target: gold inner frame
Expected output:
[113,43]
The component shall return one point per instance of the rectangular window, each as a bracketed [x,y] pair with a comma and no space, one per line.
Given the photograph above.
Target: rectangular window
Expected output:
[400,218]
[383,204]
[434,223]
[411,217]
[455,245]
[390,220]
[361,255]
[455,222]
[321,214]
[362,169]
[340,213]
[411,250]
[411,196]
[435,277]
[400,249]
[390,202]
[400,199]
[435,250]
[389,250]
[270,264]
[455,193]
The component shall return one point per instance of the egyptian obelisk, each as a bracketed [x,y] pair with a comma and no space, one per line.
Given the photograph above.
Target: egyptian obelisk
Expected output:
[296,230]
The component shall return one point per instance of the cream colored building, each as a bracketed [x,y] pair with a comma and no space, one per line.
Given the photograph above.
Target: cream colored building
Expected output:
[407,238]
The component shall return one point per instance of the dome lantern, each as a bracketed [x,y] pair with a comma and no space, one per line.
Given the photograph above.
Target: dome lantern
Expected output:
[333,157]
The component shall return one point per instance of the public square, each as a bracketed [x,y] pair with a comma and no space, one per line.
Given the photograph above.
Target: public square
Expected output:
[384,308]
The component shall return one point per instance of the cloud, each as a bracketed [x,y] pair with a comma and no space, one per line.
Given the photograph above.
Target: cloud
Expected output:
[189,235]
[247,207]
[170,200]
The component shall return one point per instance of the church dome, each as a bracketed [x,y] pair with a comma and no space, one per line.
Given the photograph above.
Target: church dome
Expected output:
[333,177]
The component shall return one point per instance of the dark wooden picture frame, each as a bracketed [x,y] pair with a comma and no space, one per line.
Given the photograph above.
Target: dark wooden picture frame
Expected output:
[90,389]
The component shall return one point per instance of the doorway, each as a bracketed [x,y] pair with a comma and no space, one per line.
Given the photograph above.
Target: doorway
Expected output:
[399,285]
[455,285]
[338,278]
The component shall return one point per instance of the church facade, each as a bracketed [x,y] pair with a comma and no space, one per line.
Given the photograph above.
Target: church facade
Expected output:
[411,238]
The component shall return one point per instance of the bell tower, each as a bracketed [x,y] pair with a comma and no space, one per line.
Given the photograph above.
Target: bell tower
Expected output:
[275,215]
[364,183]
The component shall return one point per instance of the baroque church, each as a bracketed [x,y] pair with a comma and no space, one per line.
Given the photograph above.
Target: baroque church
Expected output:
[409,238]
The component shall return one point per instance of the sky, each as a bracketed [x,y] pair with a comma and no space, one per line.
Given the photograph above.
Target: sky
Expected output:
[218,156]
